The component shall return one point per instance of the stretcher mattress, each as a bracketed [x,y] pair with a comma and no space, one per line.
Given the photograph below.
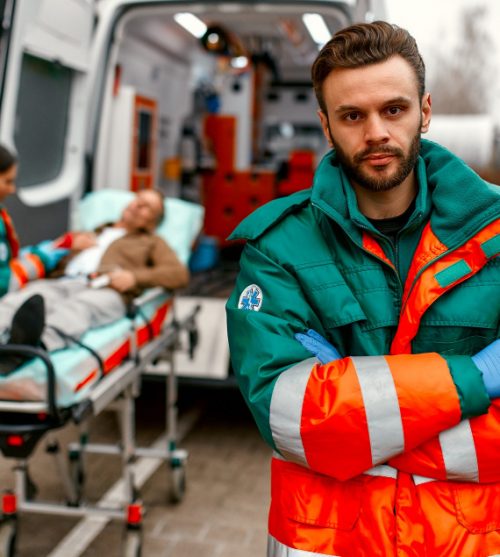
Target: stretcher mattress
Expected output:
[77,370]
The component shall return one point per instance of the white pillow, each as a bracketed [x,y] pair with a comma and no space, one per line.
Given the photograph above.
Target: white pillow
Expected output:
[180,227]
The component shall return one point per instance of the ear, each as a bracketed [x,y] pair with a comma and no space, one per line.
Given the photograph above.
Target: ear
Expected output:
[323,118]
[426,112]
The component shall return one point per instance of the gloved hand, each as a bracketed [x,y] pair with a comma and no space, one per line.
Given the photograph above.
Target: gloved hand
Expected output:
[318,346]
[488,362]
[49,253]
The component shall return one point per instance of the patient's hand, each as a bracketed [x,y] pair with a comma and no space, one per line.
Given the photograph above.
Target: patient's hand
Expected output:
[122,280]
[83,240]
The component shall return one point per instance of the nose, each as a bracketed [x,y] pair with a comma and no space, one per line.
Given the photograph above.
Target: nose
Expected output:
[376,130]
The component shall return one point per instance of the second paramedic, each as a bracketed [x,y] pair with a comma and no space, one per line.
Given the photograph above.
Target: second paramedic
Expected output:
[19,266]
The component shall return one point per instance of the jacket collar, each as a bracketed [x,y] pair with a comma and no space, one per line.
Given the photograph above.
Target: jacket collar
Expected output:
[458,201]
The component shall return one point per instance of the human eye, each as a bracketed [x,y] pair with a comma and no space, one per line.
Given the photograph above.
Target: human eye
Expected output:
[351,116]
[394,110]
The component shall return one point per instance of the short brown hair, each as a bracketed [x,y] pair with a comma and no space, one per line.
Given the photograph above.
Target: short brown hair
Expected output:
[363,44]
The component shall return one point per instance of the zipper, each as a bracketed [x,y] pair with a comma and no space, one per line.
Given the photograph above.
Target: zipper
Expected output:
[356,243]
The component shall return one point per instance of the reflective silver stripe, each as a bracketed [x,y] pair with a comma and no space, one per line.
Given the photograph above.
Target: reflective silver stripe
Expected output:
[277,549]
[286,410]
[14,281]
[419,480]
[459,453]
[383,414]
[382,470]
[30,268]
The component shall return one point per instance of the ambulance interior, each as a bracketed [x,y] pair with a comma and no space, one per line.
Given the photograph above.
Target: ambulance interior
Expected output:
[213,103]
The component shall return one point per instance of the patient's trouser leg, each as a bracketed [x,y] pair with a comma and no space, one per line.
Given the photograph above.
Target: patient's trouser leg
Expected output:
[70,305]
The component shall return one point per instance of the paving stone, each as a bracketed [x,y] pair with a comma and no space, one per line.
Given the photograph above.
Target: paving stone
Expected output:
[157,546]
[223,533]
[257,550]
[182,527]
[188,548]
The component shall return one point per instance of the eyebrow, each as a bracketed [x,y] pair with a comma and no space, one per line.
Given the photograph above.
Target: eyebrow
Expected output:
[352,108]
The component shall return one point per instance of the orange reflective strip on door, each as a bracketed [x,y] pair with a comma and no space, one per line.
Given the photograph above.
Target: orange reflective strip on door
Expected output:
[372,246]
[428,289]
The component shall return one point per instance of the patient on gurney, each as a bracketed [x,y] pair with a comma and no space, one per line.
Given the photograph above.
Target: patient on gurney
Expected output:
[125,257]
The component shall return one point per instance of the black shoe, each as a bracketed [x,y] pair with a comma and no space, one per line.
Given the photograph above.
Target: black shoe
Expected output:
[28,322]
[26,328]
[10,363]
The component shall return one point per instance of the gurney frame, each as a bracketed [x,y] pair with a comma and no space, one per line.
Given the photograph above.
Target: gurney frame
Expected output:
[28,422]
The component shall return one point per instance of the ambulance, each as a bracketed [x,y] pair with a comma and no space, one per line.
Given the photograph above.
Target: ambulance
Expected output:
[209,101]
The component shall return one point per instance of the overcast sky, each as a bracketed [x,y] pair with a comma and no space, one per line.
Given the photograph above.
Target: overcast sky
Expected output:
[435,26]
[437,21]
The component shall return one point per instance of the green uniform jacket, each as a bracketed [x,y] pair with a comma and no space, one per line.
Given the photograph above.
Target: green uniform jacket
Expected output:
[313,261]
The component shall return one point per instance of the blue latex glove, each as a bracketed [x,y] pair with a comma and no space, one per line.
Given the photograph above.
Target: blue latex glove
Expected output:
[488,361]
[318,346]
[51,255]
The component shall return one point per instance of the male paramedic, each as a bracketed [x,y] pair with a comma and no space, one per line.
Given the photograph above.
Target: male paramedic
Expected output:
[17,267]
[387,442]
[127,254]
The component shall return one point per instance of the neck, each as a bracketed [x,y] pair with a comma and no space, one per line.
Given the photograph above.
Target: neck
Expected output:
[386,204]
[121,224]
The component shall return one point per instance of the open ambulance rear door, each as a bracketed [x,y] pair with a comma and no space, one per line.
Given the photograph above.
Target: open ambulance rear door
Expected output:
[44,64]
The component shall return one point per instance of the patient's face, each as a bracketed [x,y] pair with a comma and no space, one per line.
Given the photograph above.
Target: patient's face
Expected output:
[143,211]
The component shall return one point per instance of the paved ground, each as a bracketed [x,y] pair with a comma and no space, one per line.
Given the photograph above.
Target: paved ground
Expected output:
[224,510]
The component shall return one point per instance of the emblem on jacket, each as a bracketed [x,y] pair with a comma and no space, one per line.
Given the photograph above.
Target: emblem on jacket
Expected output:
[4,254]
[251,298]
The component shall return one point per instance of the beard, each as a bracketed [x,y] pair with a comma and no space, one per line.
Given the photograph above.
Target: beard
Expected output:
[354,171]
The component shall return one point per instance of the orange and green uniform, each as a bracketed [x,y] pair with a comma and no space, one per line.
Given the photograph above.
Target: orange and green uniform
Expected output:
[17,267]
[393,450]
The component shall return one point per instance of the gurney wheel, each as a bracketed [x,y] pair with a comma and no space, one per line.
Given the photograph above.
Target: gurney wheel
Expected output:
[8,534]
[178,488]
[133,544]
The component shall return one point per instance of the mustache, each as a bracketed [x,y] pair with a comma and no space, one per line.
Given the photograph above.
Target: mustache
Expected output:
[378,150]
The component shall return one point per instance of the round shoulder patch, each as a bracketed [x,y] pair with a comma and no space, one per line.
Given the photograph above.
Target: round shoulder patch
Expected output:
[4,252]
[251,298]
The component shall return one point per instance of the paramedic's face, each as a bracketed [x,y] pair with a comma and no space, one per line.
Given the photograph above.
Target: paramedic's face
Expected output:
[143,211]
[8,182]
[374,121]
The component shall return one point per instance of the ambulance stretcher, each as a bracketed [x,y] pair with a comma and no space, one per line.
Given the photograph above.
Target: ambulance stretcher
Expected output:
[78,383]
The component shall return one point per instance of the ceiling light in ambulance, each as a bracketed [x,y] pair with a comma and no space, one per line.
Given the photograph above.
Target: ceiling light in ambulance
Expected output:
[239,62]
[316,26]
[191,23]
